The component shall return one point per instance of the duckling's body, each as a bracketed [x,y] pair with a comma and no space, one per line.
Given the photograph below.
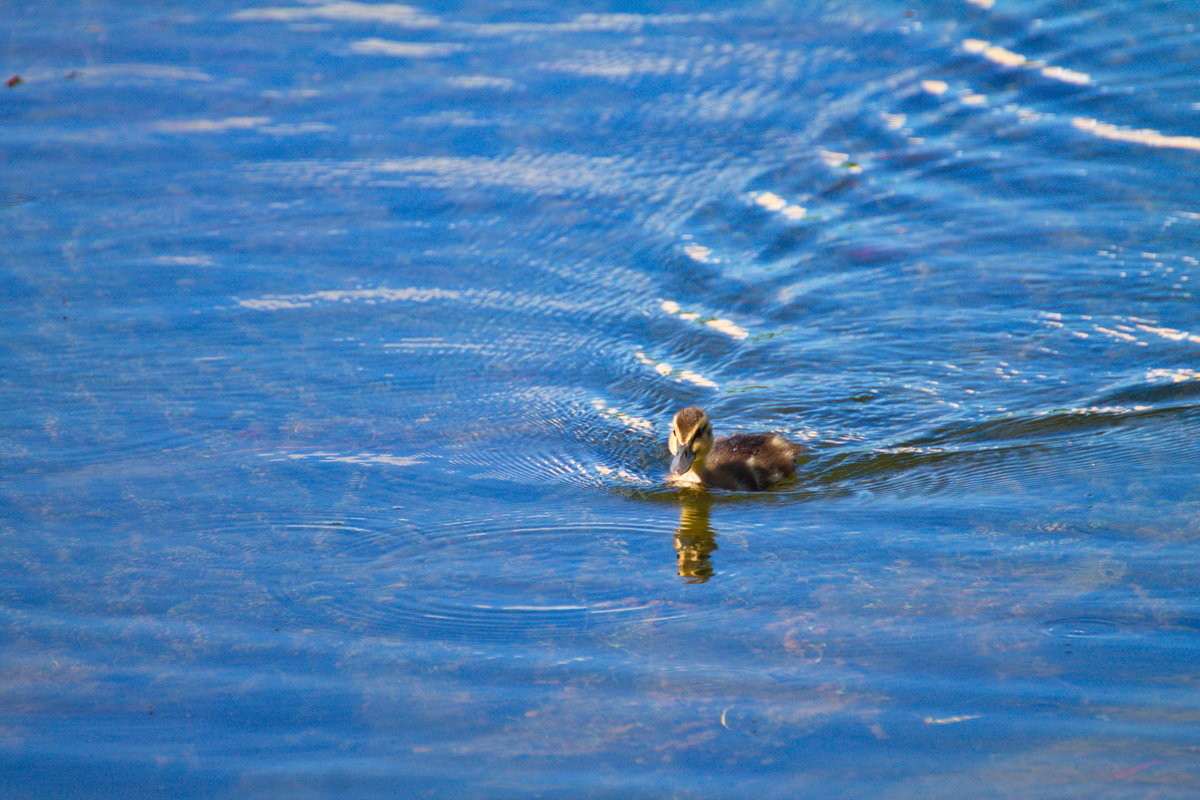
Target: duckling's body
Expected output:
[747,462]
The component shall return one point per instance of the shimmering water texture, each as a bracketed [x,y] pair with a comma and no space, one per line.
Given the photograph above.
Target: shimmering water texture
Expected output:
[341,342]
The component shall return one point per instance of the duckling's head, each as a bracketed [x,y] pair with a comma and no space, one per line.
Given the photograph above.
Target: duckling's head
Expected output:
[690,443]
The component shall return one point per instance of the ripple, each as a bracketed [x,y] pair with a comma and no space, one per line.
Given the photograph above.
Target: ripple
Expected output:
[555,436]
[543,465]
[484,579]
[1081,628]
[1091,443]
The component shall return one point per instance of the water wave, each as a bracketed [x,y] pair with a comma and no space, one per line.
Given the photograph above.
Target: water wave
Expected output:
[487,579]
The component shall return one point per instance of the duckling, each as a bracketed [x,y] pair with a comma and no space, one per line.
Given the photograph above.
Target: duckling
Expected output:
[743,462]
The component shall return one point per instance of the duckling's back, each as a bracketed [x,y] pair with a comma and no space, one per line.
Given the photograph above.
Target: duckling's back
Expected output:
[751,462]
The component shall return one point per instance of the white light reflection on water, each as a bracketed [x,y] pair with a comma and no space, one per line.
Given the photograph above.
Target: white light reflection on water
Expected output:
[388,13]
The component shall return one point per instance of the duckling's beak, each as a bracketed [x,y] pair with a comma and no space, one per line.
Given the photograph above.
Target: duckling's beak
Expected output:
[683,459]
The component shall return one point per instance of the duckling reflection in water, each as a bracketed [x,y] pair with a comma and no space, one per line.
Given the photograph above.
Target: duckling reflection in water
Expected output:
[746,462]
[694,539]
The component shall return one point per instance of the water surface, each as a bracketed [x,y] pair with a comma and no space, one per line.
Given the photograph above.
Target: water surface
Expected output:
[341,340]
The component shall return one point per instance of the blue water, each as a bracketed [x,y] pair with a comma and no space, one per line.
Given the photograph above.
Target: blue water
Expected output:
[340,343]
